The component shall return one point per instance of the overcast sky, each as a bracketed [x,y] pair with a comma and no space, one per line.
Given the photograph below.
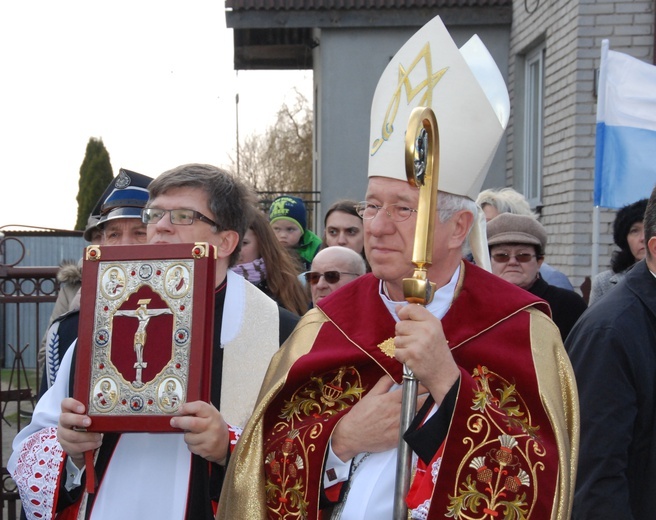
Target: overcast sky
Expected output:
[153,79]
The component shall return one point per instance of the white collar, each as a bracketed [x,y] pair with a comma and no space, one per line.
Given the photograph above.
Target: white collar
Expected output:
[438,307]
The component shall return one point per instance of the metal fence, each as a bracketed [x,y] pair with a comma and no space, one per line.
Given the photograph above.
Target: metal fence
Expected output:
[26,298]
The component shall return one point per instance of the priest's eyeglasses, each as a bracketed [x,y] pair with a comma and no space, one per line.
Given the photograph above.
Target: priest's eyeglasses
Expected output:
[397,212]
[503,258]
[313,277]
[179,217]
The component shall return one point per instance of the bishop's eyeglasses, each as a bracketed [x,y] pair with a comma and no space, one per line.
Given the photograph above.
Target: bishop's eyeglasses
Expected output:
[179,217]
[397,212]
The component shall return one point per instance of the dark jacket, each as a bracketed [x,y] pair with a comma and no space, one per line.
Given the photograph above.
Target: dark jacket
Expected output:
[613,352]
[566,306]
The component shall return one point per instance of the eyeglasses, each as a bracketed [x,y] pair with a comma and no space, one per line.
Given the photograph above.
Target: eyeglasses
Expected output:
[179,217]
[396,212]
[313,277]
[503,258]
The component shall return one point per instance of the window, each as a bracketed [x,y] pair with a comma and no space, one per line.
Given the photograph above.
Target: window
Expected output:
[533,125]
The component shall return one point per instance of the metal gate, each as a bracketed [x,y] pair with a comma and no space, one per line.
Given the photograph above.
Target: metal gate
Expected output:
[26,294]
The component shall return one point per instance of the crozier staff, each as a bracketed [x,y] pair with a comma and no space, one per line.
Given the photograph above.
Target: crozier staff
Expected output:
[422,147]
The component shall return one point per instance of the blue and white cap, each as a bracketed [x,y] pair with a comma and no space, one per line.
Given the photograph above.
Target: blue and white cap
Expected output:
[125,197]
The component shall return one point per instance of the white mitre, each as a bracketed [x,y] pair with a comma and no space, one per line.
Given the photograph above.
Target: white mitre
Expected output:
[466,91]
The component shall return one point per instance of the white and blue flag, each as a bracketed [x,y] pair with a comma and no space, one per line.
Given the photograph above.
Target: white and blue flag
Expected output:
[625,158]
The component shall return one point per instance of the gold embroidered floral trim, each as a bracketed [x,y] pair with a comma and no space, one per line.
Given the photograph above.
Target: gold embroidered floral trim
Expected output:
[292,440]
[499,474]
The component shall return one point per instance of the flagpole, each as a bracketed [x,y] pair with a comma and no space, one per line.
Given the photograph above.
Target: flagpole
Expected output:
[601,108]
[595,242]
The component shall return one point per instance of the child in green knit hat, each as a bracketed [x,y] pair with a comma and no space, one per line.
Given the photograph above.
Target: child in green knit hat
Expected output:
[288,219]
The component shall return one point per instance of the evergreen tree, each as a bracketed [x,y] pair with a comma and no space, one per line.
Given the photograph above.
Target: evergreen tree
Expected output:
[95,175]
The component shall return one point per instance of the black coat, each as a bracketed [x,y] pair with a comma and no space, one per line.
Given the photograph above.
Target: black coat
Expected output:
[566,306]
[613,352]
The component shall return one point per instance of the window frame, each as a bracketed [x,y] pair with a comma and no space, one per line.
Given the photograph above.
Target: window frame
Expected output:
[533,126]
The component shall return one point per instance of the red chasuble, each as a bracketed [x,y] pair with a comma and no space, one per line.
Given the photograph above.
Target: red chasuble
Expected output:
[510,449]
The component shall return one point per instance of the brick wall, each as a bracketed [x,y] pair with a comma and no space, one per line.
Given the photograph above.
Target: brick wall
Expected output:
[572,31]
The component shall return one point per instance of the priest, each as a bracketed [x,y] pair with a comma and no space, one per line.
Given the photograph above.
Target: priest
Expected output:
[497,428]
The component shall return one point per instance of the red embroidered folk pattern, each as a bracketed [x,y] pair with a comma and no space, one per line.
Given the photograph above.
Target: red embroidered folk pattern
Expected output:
[37,472]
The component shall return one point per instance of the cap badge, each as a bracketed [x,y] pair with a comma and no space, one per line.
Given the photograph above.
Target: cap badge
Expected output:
[122,180]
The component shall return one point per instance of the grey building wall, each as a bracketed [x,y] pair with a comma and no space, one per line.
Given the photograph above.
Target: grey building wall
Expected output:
[572,31]
[347,66]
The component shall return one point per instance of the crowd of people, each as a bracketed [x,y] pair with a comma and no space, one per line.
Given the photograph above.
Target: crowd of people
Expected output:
[531,404]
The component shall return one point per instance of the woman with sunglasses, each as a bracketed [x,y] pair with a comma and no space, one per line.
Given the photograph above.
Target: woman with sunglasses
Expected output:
[495,201]
[517,244]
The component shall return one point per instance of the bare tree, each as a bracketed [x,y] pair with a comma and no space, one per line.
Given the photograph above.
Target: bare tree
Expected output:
[280,160]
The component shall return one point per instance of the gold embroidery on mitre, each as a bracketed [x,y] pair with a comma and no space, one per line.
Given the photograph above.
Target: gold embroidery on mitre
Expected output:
[387,347]
[426,86]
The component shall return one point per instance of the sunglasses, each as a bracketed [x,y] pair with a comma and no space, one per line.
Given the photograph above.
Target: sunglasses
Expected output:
[503,258]
[313,277]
